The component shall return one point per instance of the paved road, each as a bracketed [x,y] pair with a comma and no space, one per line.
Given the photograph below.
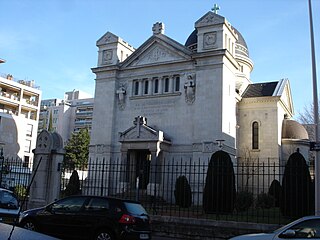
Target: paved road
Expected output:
[163,238]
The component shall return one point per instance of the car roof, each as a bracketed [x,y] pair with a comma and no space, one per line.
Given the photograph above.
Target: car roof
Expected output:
[106,197]
[5,190]
[21,233]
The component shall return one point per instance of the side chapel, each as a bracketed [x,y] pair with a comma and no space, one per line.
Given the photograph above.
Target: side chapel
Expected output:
[167,101]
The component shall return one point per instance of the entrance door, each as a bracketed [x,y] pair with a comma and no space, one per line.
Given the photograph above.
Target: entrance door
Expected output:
[142,167]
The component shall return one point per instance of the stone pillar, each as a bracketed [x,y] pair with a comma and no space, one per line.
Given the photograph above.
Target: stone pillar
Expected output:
[140,87]
[153,187]
[48,158]
[171,83]
[161,82]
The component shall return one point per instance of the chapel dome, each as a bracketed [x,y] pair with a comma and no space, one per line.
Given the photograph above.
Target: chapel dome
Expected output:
[293,130]
[192,41]
[241,45]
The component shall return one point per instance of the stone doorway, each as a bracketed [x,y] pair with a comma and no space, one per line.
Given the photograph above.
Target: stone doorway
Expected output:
[139,161]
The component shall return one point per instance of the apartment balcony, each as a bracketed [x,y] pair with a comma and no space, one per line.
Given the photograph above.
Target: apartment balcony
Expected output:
[11,96]
[83,123]
[9,111]
[84,113]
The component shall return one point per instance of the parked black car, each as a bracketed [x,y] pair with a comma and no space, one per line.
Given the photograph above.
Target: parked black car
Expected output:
[90,217]
[9,206]
[21,234]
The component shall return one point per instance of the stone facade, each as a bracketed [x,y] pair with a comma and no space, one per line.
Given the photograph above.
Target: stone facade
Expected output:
[166,101]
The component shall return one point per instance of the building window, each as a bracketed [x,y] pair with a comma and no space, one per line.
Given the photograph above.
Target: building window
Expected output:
[146,86]
[255,135]
[156,85]
[29,130]
[166,84]
[136,88]
[26,161]
[55,111]
[27,147]
[177,84]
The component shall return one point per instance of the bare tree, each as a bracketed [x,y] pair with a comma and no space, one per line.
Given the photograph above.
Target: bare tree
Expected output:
[307,115]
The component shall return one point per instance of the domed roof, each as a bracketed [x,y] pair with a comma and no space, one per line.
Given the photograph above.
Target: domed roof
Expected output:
[240,40]
[241,45]
[192,40]
[293,130]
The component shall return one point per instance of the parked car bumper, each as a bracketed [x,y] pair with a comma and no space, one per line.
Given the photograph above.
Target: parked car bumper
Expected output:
[135,235]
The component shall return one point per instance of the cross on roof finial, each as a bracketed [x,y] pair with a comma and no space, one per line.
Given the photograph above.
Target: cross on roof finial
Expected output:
[215,8]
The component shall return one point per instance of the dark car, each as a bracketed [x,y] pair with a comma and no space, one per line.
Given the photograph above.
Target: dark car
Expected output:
[9,206]
[18,233]
[90,217]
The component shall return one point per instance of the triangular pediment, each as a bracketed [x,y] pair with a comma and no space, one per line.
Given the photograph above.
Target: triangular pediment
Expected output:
[140,131]
[157,50]
[107,39]
[208,19]
[286,97]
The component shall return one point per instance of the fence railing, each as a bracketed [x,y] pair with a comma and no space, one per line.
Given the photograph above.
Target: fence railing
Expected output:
[257,195]
[255,190]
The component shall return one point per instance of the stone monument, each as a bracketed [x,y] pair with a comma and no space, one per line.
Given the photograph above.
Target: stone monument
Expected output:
[48,158]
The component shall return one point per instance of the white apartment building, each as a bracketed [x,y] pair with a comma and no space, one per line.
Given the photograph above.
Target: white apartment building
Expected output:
[68,115]
[19,115]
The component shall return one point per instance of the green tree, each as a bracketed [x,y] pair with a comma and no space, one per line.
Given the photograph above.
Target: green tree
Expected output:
[219,190]
[77,149]
[296,199]
[182,192]
[73,187]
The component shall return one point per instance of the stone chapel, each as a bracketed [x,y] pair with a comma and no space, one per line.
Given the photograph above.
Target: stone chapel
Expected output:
[167,100]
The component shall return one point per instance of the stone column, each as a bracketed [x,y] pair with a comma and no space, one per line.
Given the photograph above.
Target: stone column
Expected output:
[161,82]
[171,81]
[150,86]
[140,93]
[48,158]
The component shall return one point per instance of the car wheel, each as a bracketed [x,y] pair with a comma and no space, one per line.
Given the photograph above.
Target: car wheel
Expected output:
[104,235]
[30,225]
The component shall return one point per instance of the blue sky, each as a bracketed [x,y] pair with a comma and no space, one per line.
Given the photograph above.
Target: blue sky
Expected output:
[54,41]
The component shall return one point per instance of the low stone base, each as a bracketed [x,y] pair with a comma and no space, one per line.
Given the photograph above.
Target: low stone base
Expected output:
[204,229]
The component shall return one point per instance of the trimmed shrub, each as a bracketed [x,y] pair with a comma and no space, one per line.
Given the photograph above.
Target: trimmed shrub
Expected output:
[219,191]
[275,191]
[264,200]
[73,187]
[182,192]
[296,198]
[244,201]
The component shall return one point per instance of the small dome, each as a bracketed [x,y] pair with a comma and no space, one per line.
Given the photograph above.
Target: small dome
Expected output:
[192,41]
[293,130]
[241,45]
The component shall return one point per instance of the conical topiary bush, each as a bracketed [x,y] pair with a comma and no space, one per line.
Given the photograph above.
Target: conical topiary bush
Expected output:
[219,191]
[182,192]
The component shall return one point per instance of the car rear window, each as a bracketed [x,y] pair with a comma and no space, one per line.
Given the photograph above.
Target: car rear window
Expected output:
[135,208]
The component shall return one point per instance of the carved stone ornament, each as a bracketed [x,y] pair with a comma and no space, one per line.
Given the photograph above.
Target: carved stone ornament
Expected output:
[209,40]
[121,92]
[157,54]
[158,28]
[190,88]
[107,56]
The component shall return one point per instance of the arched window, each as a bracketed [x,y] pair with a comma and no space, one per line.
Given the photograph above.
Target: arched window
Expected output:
[255,135]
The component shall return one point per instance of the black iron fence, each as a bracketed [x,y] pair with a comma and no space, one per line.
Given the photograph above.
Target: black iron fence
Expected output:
[15,175]
[252,191]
